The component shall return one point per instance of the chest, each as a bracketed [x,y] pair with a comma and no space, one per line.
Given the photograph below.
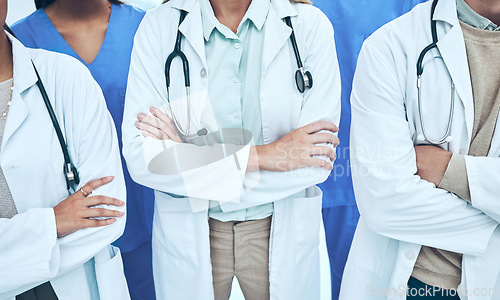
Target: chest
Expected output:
[447,99]
[32,160]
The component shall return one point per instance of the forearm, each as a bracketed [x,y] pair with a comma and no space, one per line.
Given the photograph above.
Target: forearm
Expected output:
[484,183]
[455,178]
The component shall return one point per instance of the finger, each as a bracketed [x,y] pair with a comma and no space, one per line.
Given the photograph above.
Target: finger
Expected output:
[323,151]
[154,122]
[90,223]
[320,163]
[103,200]
[324,137]
[91,186]
[163,117]
[102,212]
[153,130]
[319,126]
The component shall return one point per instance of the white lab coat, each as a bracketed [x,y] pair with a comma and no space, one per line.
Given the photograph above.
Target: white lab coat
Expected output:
[32,161]
[181,249]
[399,211]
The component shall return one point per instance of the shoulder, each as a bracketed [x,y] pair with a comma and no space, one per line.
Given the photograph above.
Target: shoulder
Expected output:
[30,20]
[27,28]
[130,11]
[61,70]
[311,19]
[403,30]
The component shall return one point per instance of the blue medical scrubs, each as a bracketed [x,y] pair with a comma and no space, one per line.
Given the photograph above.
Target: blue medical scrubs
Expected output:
[353,22]
[110,70]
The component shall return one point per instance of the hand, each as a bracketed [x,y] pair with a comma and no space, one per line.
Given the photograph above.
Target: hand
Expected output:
[297,149]
[159,126]
[432,163]
[75,212]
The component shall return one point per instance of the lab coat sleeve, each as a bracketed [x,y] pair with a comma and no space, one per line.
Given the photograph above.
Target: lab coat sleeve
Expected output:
[393,201]
[483,174]
[92,140]
[98,155]
[33,234]
[147,88]
[321,102]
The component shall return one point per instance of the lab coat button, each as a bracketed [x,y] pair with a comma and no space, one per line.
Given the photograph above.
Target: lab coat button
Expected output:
[235,79]
[410,255]
[236,114]
[237,45]
[203,72]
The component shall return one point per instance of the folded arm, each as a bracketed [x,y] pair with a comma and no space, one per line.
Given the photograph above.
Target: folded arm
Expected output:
[393,200]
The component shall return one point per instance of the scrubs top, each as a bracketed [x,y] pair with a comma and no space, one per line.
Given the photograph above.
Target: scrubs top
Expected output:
[110,70]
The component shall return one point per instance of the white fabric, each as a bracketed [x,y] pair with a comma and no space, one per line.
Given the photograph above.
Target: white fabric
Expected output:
[32,161]
[399,211]
[180,237]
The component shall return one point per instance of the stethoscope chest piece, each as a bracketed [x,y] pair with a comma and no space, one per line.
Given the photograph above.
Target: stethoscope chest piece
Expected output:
[303,80]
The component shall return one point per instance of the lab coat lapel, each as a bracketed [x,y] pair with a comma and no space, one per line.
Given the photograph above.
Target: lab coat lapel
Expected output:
[192,29]
[452,49]
[277,33]
[24,78]
[17,114]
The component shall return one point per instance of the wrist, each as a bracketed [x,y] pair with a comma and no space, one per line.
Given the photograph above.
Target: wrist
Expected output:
[256,159]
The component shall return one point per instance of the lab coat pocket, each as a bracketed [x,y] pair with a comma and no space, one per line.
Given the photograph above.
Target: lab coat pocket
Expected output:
[110,277]
[307,215]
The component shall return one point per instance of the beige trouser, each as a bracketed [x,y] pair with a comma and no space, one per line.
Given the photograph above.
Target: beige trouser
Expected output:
[240,249]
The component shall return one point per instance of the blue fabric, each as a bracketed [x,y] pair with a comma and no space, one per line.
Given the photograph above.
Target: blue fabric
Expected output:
[110,70]
[138,267]
[353,22]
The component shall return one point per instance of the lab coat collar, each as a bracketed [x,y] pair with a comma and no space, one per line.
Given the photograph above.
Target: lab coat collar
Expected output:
[283,8]
[191,27]
[451,46]
[24,73]
[277,32]
[446,10]
[24,78]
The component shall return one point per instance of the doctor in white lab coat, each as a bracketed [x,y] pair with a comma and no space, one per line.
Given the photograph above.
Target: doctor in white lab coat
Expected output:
[181,244]
[48,237]
[400,211]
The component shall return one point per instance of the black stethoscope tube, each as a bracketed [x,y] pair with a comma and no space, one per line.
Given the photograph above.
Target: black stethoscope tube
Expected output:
[70,171]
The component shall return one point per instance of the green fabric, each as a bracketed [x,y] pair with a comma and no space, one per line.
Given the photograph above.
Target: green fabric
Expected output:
[234,69]
[467,15]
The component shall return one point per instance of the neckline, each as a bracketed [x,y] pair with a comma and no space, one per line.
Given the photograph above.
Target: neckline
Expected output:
[483,36]
[7,82]
[72,51]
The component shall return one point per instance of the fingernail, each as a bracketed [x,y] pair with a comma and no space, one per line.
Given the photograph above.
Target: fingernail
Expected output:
[110,178]
[121,202]
[138,124]
[141,116]
[153,109]
[121,214]
[145,133]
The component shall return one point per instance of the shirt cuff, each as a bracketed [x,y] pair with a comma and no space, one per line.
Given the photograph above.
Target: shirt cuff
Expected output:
[455,178]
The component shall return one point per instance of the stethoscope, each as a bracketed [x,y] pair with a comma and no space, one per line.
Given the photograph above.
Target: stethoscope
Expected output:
[69,169]
[303,79]
[446,138]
